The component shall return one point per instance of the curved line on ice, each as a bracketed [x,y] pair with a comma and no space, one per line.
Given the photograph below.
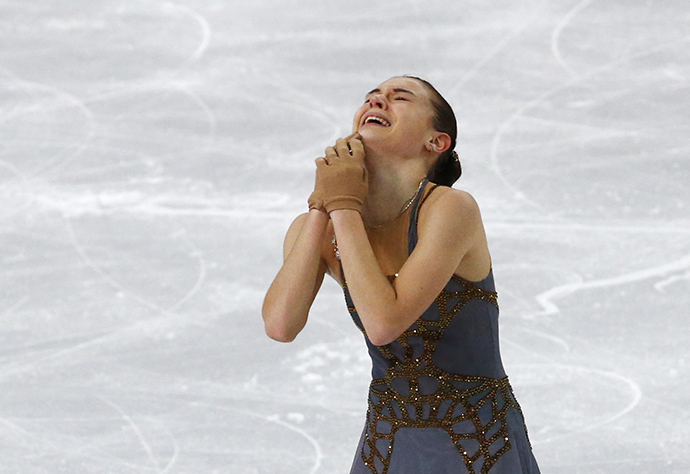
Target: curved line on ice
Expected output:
[520,112]
[140,436]
[318,453]
[196,252]
[65,100]
[497,49]
[556,35]
[546,298]
[635,391]
[205,31]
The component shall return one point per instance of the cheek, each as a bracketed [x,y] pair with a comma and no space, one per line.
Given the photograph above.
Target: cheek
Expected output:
[358,117]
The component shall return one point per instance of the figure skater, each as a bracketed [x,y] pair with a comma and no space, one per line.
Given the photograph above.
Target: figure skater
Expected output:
[411,255]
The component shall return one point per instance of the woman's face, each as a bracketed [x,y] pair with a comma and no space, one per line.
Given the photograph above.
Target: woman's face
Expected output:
[396,117]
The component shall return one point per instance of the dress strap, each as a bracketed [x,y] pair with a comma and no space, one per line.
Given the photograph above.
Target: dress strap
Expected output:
[414,215]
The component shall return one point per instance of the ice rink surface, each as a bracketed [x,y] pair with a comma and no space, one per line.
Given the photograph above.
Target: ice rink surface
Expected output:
[153,154]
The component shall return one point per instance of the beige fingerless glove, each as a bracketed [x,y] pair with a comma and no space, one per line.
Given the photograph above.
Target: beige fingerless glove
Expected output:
[315,201]
[341,184]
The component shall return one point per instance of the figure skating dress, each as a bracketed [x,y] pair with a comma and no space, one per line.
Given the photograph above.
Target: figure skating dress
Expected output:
[440,401]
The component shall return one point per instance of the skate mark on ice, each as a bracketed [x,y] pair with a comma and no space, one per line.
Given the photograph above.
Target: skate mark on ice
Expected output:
[556,35]
[65,99]
[205,32]
[135,427]
[546,298]
[506,126]
[500,46]
[318,452]
[633,389]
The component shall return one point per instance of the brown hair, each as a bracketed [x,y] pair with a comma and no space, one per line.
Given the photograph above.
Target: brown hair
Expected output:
[446,170]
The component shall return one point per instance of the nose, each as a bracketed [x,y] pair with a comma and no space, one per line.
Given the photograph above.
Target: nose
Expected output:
[377,101]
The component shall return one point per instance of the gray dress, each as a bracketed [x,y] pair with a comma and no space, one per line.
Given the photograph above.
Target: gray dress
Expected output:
[440,401]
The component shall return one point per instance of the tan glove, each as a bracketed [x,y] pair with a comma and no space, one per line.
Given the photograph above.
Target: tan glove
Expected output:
[341,178]
[315,202]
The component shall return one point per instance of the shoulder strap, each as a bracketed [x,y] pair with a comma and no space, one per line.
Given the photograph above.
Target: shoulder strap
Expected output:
[414,216]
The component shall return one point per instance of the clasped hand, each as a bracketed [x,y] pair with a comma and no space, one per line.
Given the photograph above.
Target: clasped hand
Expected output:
[341,178]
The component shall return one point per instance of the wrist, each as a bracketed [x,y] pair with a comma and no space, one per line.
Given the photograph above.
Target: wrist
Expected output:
[318,214]
[337,203]
[344,215]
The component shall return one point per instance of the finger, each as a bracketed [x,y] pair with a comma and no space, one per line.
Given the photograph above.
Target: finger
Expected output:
[321,162]
[342,148]
[355,137]
[357,147]
[331,154]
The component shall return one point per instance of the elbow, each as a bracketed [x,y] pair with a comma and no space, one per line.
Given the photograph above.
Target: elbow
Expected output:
[280,333]
[383,327]
[382,334]
[280,336]
[277,327]
[380,339]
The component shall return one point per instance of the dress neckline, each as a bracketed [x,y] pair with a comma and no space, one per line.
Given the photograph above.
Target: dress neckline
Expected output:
[412,236]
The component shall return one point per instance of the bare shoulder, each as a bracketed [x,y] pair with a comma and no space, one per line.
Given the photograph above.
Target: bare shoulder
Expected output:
[450,217]
[451,206]
[450,224]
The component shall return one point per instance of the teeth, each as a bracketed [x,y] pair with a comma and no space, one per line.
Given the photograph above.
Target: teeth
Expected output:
[379,120]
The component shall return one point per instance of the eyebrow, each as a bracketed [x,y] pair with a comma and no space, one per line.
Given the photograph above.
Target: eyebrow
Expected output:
[396,90]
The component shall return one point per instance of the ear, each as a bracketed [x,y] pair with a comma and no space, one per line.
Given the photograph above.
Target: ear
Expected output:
[438,142]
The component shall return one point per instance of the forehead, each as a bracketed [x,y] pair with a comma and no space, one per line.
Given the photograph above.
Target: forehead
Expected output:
[403,83]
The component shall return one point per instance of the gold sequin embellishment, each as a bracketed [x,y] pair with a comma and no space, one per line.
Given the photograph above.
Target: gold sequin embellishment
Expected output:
[471,409]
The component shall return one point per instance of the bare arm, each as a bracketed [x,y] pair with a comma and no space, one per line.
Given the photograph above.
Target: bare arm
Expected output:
[290,296]
[451,228]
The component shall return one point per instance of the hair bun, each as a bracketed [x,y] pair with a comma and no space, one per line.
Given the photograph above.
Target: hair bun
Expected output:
[446,170]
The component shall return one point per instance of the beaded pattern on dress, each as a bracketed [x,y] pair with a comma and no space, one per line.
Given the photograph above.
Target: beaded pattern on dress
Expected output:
[457,404]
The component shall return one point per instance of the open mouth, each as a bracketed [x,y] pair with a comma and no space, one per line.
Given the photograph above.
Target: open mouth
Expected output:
[376,120]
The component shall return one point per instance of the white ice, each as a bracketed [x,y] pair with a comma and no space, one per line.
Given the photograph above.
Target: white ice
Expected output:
[153,153]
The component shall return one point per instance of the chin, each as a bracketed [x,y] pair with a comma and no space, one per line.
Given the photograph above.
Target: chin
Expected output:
[371,142]
[370,135]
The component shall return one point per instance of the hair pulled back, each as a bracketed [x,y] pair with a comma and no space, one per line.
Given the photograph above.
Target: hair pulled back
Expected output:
[446,170]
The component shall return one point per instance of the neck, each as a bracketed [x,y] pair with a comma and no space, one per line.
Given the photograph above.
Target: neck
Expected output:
[390,191]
